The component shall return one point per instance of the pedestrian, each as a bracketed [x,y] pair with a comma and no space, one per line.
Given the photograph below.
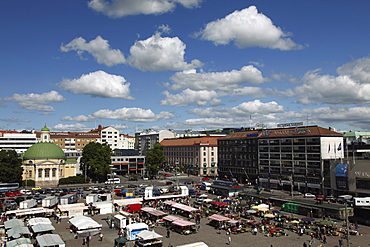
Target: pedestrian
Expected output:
[324,239]
[198,228]
[168,233]
[304,244]
[101,236]
[229,240]
[340,243]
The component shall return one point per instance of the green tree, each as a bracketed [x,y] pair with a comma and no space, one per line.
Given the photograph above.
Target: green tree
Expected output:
[154,159]
[95,161]
[10,167]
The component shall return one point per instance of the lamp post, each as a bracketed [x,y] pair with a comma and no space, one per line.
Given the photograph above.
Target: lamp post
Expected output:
[112,193]
[26,173]
[346,198]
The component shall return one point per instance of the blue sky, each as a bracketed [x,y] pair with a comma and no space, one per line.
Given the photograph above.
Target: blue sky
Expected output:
[183,64]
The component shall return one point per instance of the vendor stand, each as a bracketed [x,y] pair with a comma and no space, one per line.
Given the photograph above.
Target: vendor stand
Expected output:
[50,240]
[149,238]
[218,220]
[183,227]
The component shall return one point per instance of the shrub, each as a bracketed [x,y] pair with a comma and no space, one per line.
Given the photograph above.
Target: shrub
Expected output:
[72,180]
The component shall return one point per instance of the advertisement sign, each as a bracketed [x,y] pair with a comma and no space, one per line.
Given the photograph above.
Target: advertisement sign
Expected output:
[341,176]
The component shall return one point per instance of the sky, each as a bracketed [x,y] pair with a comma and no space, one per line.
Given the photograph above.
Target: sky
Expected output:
[184,64]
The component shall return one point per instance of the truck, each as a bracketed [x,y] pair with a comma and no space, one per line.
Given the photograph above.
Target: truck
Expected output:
[49,201]
[132,208]
[31,203]
[68,199]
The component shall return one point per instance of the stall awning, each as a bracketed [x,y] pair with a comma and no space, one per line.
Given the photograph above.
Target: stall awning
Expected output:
[82,222]
[183,223]
[184,207]
[171,218]
[35,221]
[17,231]
[26,242]
[12,223]
[147,235]
[88,232]
[218,217]
[42,228]
[50,240]
[169,202]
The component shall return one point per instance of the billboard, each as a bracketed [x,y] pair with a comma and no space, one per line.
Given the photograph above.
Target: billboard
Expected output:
[341,176]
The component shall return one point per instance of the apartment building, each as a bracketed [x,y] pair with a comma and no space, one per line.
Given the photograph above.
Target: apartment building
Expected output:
[298,158]
[146,139]
[195,156]
[18,141]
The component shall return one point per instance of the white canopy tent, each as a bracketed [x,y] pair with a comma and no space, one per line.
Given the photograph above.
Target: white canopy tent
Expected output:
[53,240]
[148,235]
[83,222]
[35,221]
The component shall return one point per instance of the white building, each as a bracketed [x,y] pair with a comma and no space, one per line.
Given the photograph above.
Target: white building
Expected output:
[18,141]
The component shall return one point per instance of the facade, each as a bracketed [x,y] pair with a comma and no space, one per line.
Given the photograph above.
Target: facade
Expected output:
[351,175]
[145,140]
[73,141]
[45,162]
[18,141]
[196,156]
[287,158]
[127,164]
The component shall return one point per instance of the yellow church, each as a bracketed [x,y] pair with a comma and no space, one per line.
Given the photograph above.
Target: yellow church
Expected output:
[46,163]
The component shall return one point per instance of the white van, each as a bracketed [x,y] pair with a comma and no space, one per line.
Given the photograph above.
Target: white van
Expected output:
[113,181]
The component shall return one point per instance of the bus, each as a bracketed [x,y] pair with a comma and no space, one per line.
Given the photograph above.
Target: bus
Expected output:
[5,187]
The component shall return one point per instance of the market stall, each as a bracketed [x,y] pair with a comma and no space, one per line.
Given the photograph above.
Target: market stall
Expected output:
[17,232]
[183,227]
[24,242]
[149,238]
[42,228]
[35,221]
[50,240]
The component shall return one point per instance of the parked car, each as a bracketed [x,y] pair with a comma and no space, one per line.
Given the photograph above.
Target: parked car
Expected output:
[295,193]
[36,188]
[309,195]
[330,198]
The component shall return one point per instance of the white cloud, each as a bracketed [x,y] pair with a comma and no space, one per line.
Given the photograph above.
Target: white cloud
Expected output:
[99,84]
[242,110]
[160,53]
[358,70]
[189,97]
[247,28]
[121,126]
[132,115]
[329,89]
[216,80]
[36,102]
[256,92]
[80,118]
[99,48]
[120,8]
[70,127]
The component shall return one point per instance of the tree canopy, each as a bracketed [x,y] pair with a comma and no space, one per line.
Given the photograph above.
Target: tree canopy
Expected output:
[10,167]
[95,161]
[154,159]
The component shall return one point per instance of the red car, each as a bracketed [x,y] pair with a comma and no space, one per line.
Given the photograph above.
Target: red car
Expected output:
[10,193]
[166,175]
[206,179]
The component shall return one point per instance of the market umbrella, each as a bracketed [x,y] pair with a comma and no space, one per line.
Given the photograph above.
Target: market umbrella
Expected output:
[255,207]
[308,219]
[269,215]
[251,211]
[275,211]
[263,209]
[295,221]
[227,201]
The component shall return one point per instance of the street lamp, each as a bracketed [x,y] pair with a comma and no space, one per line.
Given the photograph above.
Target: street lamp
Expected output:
[346,198]
[112,192]
[26,173]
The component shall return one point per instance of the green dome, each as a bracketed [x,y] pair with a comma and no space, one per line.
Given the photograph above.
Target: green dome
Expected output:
[44,150]
[45,128]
